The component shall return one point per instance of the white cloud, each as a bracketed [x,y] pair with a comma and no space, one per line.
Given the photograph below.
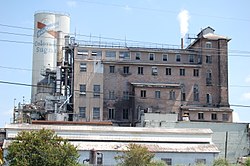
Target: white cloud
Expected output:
[71,3]
[236,117]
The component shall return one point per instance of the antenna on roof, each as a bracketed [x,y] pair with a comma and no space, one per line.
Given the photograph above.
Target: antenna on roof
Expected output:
[189,38]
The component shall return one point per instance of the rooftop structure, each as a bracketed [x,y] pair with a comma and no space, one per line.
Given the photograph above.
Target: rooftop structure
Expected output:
[111,141]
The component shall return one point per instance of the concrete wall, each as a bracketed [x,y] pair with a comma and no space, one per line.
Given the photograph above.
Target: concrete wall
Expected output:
[177,158]
[92,76]
[237,140]
[238,137]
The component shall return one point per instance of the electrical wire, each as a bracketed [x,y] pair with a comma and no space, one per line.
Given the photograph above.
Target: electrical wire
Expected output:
[111,46]
[162,11]
[101,93]
[116,39]
[30,70]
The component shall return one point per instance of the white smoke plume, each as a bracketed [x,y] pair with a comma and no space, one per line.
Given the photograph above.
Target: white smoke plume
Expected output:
[183,18]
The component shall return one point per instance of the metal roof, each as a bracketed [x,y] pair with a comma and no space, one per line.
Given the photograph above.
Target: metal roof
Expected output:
[153,147]
[108,129]
[213,36]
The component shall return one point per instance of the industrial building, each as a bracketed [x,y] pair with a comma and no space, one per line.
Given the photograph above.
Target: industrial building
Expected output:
[101,81]
[232,139]
[121,83]
[175,97]
[174,146]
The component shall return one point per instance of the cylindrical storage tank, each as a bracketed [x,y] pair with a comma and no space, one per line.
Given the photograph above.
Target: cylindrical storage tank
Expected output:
[47,25]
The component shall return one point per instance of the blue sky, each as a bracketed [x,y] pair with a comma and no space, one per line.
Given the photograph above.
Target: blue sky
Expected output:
[141,20]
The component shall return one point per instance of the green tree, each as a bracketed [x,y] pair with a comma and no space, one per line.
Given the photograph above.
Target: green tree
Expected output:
[220,162]
[247,162]
[137,155]
[41,148]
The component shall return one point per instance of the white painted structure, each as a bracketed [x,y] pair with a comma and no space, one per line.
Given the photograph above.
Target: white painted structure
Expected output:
[181,146]
[232,139]
[47,26]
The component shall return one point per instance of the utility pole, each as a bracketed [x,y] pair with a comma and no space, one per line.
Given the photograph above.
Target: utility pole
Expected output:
[226,145]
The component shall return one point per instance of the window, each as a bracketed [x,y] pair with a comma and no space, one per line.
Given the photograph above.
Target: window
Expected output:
[111,95]
[110,54]
[111,69]
[126,70]
[199,60]
[177,57]
[208,45]
[151,56]
[208,59]
[82,112]
[225,117]
[96,113]
[125,95]
[154,71]
[125,113]
[111,113]
[209,77]
[157,94]
[97,90]
[83,67]
[183,94]
[172,95]
[168,71]
[214,116]
[124,55]
[196,72]
[140,70]
[165,57]
[97,54]
[200,115]
[200,161]
[182,72]
[143,93]
[191,58]
[168,161]
[83,89]
[196,93]
[209,98]
[137,56]
[83,52]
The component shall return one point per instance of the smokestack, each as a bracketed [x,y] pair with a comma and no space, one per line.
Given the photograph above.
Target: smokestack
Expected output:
[182,45]
[59,47]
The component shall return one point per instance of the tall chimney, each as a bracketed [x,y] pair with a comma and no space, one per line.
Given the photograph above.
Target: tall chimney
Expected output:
[182,45]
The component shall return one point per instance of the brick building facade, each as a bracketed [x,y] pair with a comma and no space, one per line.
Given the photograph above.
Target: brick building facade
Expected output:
[121,83]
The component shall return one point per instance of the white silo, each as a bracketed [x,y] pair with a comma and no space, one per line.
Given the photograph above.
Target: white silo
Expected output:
[45,47]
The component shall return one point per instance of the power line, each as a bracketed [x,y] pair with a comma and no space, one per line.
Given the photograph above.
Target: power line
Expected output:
[164,11]
[17,27]
[245,53]
[16,68]
[196,49]
[14,41]
[101,37]
[129,95]
[25,69]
